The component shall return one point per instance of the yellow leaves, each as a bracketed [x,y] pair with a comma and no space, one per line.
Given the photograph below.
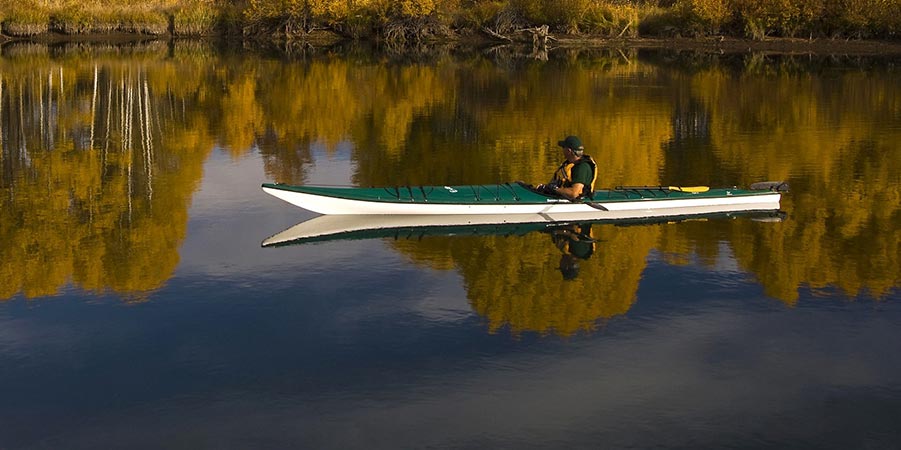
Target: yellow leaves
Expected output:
[419,8]
[96,204]
[711,14]
[813,17]
[303,12]
[413,8]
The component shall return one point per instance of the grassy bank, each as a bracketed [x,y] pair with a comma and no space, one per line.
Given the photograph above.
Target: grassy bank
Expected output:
[26,18]
[417,20]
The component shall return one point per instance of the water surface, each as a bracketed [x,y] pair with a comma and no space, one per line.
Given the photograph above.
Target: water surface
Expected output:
[138,309]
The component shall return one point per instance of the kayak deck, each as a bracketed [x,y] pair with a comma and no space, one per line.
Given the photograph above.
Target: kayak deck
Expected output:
[509,193]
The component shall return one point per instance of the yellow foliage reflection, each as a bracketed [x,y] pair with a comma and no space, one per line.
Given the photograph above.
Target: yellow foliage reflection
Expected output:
[97,172]
[517,282]
[101,153]
[836,137]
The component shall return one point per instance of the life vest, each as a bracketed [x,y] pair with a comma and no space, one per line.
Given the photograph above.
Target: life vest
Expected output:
[563,175]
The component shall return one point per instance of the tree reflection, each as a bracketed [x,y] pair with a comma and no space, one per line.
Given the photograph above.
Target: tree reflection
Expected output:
[98,172]
[515,281]
[102,151]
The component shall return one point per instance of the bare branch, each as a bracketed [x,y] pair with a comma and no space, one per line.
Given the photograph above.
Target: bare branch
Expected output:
[496,35]
[624,29]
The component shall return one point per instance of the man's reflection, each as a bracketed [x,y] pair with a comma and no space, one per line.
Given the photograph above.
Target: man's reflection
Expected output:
[576,243]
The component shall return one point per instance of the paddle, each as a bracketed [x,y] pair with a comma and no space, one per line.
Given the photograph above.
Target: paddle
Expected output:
[689,188]
[595,205]
[777,186]
[692,189]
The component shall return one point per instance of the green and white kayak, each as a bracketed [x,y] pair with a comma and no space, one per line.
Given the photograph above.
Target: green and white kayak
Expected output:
[516,198]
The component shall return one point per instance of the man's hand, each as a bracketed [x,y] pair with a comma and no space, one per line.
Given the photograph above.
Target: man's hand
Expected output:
[549,188]
[573,192]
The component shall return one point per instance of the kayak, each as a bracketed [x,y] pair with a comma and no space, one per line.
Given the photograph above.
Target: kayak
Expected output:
[353,227]
[518,198]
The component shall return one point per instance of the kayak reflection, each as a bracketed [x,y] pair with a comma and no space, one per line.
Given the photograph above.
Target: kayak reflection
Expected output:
[549,277]
[349,227]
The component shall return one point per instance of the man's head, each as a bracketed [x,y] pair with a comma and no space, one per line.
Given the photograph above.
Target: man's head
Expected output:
[569,267]
[573,143]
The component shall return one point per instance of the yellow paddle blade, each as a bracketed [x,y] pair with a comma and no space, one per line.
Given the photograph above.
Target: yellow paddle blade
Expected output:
[689,188]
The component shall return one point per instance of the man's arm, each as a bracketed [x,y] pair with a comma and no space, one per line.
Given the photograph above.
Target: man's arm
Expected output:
[581,175]
[571,192]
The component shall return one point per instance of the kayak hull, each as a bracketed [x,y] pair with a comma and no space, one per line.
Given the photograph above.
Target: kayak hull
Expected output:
[506,200]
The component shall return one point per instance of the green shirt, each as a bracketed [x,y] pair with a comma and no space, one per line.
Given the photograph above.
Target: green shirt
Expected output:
[582,173]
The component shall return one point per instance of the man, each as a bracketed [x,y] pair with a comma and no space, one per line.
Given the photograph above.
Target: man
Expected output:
[574,178]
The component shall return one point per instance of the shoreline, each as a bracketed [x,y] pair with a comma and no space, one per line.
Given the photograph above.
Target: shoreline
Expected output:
[723,44]
[707,44]
[787,46]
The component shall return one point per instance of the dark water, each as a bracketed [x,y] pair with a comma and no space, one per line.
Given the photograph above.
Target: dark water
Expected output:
[138,310]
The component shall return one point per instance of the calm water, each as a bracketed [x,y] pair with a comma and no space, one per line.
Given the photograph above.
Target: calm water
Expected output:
[138,309]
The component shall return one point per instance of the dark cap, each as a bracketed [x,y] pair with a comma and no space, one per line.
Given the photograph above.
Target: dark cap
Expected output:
[572,142]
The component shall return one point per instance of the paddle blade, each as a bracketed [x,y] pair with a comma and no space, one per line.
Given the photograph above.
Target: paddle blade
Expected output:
[777,186]
[689,188]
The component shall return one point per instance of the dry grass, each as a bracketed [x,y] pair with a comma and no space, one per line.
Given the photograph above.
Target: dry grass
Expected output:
[365,19]
[24,18]
[35,17]
[195,18]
